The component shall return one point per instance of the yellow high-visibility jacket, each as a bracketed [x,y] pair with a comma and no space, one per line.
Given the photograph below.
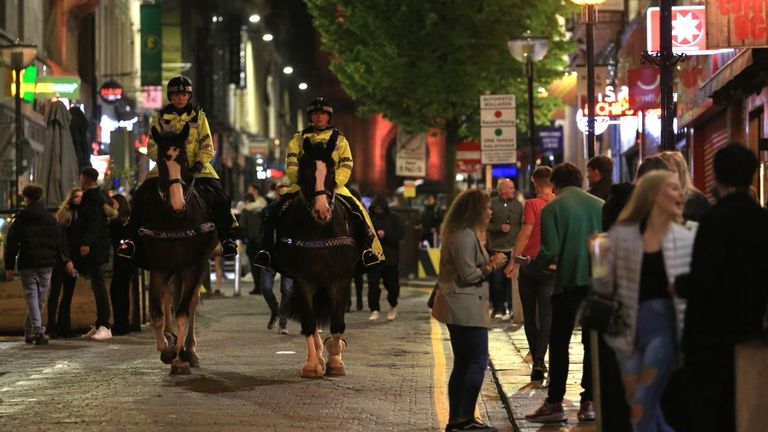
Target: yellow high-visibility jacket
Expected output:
[199,143]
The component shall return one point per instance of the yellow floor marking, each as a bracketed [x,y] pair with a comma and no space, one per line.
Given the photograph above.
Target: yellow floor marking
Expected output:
[440,385]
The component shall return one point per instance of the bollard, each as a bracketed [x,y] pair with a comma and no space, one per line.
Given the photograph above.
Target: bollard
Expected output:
[237,269]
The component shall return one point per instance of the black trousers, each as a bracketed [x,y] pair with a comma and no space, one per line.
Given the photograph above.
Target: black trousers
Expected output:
[711,389]
[391,277]
[564,307]
[96,274]
[119,292]
[614,409]
[59,319]
[210,191]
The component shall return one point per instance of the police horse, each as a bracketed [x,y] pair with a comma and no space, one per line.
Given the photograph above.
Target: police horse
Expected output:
[315,246]
[176,239]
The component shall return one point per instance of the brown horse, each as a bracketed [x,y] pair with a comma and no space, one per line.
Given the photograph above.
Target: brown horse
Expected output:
[316,248]
[176,241]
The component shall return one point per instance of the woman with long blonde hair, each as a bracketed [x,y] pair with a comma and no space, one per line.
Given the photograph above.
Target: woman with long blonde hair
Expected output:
[461,302]
[696,203]
[648,250]
[59,324]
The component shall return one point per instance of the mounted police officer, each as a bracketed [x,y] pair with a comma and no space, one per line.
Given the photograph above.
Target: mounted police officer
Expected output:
[319,112]
[200,151]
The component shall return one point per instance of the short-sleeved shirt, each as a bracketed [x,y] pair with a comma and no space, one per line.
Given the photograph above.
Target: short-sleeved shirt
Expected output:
[532,215]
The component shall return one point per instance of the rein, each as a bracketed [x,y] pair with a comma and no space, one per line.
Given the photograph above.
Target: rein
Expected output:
[182,183]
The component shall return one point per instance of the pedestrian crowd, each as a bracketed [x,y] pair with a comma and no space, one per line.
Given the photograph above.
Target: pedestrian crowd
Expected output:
[668,282]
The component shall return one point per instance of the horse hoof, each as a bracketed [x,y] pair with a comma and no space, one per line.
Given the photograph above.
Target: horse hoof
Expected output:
[167,356]
[193,359]
[335,368]
[312,371]
[180,370]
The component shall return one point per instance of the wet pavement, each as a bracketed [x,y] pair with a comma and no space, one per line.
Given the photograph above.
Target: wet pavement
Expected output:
[396,378]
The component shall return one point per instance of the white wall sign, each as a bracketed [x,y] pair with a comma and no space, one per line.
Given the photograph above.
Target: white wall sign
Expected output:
[498,129]
[411,155]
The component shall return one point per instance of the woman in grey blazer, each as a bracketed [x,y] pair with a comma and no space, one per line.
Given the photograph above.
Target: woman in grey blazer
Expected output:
[461,302]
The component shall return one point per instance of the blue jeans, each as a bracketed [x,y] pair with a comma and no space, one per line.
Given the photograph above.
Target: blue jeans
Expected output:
[36,283]
[267,285]
[655,351]
[470,359]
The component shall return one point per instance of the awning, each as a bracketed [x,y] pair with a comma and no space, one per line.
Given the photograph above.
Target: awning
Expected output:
[727,73]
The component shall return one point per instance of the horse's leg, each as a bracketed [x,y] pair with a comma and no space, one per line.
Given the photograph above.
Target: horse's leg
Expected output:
[187,285]
[312,368]
[319,349]
[158,283]
[190,344]
[335,344]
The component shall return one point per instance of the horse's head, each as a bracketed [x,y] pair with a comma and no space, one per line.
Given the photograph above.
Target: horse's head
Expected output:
[172,164]
[317,179]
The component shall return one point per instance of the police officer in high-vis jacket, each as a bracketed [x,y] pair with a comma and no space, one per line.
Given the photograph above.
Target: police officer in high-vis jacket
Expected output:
[200,151]
[320,130]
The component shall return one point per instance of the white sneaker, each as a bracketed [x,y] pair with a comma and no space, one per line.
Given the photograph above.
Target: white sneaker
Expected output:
[90,333]
[392,314]
[283,331]
[103,333]
[374,316]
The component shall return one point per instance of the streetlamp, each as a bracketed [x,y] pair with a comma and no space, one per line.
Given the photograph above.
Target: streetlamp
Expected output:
[527,50]
[589,17]
[17,57]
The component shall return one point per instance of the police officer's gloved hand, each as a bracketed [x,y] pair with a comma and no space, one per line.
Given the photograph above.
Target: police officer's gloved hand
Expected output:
[197,168]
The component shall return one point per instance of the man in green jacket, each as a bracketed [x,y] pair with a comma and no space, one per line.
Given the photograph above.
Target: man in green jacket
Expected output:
[567,222]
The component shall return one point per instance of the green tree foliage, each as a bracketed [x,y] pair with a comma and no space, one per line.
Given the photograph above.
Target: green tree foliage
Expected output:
[425,63]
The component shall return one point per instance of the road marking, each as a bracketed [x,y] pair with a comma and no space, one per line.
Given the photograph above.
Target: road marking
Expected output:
[438,373]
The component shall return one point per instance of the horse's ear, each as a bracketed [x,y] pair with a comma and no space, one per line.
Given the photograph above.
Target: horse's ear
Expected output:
[184,132]
[155,134]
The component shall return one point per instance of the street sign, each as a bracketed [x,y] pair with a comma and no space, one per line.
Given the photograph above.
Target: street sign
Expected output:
[689,30]
[498,130]
[468,159]
[411,155]
[551,139]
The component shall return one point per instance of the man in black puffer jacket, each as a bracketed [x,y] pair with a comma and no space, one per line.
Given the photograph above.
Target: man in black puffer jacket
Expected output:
[35,237]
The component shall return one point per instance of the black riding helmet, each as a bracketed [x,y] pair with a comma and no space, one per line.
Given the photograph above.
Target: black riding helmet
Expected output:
[179,84]
[319,104]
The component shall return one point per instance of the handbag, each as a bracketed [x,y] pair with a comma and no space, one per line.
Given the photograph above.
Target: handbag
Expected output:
[602,313]
[431,300]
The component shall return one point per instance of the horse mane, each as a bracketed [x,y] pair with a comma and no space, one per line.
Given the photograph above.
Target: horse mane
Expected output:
[166,141]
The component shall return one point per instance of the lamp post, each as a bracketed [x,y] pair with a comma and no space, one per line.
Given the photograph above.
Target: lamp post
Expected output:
[528,50]
[18,56]
[589,17]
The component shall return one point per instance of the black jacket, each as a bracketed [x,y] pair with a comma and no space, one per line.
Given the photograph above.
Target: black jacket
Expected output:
[95,227]
[602,189]
[695,206]
[36,238]
[620,194]
[727,289]
[392,226]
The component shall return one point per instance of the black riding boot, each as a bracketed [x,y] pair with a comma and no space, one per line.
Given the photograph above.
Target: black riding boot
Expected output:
[263,258]
[127,247]
[364,241]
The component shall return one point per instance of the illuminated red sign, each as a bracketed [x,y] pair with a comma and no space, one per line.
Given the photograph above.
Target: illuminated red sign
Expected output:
[689,29]
[644,89]
[740,23]
[111,91]
[611,103]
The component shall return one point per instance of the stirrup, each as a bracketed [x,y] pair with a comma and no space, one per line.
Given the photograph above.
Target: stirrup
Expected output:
[370,258]
[127,249]
[262,259]
[228,248]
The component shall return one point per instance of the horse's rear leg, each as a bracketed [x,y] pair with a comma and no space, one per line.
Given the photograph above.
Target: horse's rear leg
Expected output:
[335,344]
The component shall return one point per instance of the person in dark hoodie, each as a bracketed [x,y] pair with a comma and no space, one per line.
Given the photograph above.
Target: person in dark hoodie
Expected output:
[35,237]
[95,247]
[389,230]
[726,291]
[78,128]
[599,171]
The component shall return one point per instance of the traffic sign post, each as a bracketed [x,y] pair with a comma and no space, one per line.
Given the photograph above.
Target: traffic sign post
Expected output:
[498,129]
